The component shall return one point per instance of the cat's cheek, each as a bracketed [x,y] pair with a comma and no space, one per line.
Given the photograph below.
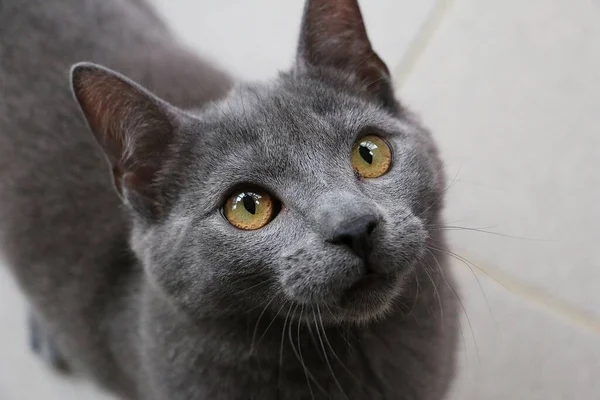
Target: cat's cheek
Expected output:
[399,244]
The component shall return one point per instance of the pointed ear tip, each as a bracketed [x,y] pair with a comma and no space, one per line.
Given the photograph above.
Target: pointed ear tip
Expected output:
[85,69]
[81,69]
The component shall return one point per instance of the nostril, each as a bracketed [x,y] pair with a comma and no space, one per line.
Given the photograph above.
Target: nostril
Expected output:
[346,240]
[355,234]
[371,227]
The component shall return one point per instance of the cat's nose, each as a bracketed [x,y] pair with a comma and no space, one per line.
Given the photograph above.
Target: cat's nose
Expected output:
[355,233]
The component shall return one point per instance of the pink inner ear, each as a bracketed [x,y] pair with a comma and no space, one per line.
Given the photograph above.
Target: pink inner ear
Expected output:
[104,99]
[133,127]
[126,121]
[139,181]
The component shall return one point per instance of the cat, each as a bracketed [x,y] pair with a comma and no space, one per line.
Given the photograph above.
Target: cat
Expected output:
[181,236]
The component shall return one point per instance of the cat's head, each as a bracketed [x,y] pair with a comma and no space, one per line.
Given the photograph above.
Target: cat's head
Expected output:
[314,191]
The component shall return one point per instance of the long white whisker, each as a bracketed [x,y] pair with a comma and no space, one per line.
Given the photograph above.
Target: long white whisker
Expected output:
[325,355]
[307,374]
[281,346]
[258,322]
[331,347]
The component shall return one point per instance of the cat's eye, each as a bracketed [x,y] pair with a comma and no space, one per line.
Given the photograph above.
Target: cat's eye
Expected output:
[371,157]
[250,208]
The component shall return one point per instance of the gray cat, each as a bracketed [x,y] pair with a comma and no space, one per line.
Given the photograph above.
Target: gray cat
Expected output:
[264,241]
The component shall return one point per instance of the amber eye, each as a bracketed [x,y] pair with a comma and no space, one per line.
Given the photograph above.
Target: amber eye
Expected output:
[249,209]
[371,157]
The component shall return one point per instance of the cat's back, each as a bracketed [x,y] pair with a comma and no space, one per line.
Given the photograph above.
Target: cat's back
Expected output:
[62,228]
[58,210]
[47,154]
[41,39]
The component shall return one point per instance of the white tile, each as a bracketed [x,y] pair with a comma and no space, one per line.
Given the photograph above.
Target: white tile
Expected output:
[255,38]
[515,350]
[511,90]
[22,375]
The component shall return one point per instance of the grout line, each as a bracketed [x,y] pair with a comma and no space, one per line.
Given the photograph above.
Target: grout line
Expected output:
[539,296]
[421,41]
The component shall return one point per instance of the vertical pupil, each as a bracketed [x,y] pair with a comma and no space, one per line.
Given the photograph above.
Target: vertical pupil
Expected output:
[249,203]
[365,153]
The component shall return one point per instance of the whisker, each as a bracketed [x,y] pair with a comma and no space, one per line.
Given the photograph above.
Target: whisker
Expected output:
[462,305]
[441,196]
[281,346]
[437,295]
[301,358]
[259,284]
[412,308]
[248,311]
[480,230]
[331,347]
[258,322]
[489,307]
[308,375]
[312,334]
[469,264]
[325,354]
[350,347]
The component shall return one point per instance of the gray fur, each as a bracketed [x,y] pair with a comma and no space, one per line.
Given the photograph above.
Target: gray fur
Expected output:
[152,293]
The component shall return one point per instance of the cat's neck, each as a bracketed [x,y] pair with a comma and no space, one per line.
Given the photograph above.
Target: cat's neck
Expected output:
[273,354]
[284,349]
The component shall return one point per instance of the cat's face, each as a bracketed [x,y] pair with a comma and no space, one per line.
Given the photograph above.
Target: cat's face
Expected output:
[312,192]
[294,140]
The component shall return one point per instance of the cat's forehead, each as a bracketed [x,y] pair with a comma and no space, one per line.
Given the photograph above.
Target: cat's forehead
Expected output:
[284,131]
[285,113]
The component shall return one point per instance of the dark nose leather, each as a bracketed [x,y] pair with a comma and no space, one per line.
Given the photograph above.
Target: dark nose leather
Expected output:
[355,233]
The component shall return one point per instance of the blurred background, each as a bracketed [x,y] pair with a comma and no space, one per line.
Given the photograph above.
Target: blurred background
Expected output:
[511,90]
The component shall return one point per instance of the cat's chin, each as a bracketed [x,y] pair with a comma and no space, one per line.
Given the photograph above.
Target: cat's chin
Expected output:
[370,299]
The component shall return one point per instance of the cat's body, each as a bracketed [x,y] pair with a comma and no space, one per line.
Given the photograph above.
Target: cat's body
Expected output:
[153,333]
[63,230]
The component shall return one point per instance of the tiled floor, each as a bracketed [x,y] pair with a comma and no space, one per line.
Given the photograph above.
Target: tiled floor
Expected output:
[511,90]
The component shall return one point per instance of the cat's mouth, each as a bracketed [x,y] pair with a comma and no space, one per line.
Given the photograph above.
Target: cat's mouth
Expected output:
[370,297]
[370,281]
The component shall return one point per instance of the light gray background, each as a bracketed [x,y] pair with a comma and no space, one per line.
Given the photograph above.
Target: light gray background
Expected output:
[511,90]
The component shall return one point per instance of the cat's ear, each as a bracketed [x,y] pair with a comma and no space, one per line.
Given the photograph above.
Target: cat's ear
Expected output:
[134,128]
[333,35]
